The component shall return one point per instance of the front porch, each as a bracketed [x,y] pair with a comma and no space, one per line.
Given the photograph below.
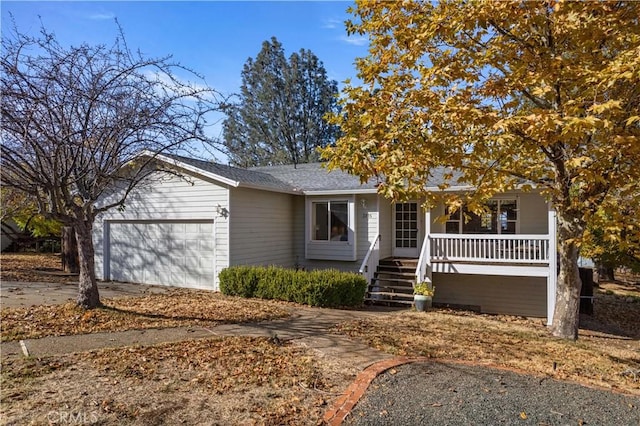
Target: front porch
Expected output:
[522,258]
[511,255]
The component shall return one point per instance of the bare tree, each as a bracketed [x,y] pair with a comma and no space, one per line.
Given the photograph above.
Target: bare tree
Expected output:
[75,119]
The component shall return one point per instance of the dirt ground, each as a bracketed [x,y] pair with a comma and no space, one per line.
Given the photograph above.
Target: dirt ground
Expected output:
[247,381]
[606,354]
[217,381]
[174,308]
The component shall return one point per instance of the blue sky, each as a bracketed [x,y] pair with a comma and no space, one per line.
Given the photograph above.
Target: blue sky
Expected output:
[214,38]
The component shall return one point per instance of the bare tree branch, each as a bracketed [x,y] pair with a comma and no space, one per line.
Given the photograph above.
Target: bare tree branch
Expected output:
[74,121]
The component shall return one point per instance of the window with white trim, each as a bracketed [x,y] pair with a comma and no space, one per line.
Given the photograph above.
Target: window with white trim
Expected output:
[330,221]
[500,217]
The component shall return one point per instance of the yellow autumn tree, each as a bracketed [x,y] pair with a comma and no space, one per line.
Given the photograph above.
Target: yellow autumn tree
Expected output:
[541,93]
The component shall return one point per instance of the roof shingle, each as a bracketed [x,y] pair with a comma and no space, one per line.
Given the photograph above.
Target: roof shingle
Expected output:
[301,178]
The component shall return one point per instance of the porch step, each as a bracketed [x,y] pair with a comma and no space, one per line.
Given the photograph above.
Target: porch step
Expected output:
[405,269]
[399,261]
[387,270]
[395,290]
[392,283]
[408,281]
[402,288]
[388,299]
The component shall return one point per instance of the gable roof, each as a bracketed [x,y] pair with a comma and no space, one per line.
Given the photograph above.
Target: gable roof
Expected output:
[233,176]
[307,178]
[315,178]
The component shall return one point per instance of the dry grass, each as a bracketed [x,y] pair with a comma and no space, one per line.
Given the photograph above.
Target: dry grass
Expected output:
[606,354]
[610,361]
[231,380]
[172,309]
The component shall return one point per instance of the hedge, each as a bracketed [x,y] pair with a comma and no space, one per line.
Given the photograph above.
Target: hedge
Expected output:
[324,288]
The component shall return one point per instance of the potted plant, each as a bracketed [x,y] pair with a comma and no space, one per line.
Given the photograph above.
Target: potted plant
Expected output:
[423,295]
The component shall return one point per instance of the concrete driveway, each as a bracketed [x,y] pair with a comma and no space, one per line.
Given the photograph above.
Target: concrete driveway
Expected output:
[24,294]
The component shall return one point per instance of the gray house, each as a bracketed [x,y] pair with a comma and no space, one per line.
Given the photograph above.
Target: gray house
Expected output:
[181,229]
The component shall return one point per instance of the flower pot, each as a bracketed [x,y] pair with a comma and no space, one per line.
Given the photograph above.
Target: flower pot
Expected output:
[422,302]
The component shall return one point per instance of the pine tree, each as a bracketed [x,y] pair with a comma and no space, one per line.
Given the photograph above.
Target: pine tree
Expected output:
[279,117]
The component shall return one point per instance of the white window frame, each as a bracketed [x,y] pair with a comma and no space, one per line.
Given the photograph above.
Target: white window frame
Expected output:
[312,230]
[328,249]
[499,200]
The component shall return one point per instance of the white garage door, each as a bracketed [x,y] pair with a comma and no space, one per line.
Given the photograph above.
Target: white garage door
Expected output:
[176,253]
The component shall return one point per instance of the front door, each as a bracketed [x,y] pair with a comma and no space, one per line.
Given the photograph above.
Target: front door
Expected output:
[405,229]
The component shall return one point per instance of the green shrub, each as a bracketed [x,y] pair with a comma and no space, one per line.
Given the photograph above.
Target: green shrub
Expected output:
[325,288]
[239,281]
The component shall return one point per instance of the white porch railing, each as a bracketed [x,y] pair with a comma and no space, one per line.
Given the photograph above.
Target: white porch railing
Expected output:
[489,248]
[371,260]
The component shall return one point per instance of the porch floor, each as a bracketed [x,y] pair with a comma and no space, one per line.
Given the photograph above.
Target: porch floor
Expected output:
[493,263]
[399,259]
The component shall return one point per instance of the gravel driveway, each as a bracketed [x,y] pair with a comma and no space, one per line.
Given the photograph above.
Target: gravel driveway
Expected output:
[430,393]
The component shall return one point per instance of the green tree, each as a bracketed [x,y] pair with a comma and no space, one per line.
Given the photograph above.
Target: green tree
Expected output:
[279,116]
[17,206]
[74,122]
[614,242]
[23,210]
[504,92]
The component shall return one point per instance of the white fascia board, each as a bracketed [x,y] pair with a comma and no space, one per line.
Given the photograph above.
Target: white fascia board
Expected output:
[450,189]
[341,191]
[196,170]
[216,177]
[268,188]
[462,188]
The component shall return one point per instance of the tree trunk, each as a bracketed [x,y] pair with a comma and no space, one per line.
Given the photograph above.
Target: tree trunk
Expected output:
[70,261]
[605,272]
[566,312]
[88,296]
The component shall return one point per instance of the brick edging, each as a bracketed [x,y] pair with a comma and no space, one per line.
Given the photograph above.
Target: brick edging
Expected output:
[339,411]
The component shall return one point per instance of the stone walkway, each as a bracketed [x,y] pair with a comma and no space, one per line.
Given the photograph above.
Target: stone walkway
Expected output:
[307,327]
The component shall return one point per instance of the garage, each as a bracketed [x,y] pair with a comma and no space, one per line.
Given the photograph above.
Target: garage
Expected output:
[175,253]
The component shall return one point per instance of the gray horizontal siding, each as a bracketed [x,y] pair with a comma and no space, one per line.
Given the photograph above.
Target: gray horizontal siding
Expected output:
[262,228]
[386,226]
[534,217]
[367,217]
[494,294]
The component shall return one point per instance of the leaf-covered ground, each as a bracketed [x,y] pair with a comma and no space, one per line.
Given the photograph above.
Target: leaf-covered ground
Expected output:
[44,267]
[232,380]
[254,381]
[172,309]
[597,358]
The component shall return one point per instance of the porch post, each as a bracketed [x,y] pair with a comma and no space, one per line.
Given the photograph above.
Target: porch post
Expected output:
[552,278]
[427,240]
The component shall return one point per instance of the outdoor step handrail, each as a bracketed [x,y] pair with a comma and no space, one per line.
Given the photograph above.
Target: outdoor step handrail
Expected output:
[371,260]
